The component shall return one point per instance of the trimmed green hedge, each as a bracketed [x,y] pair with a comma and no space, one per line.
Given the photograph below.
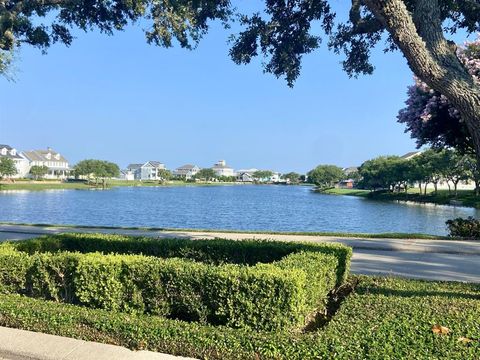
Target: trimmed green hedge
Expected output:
[384,318]
[265,296]
[217,251]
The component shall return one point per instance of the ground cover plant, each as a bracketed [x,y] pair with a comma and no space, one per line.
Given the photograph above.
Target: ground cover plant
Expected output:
[382,318]
[242,284]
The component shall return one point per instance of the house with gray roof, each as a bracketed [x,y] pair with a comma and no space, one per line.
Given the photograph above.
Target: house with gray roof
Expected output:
[21,163]
[147,171]
[186,171]
[57,164]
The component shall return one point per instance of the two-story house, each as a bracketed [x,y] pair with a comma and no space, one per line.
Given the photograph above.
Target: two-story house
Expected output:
[186,171]
[147,171]
[21,163]
[58,167]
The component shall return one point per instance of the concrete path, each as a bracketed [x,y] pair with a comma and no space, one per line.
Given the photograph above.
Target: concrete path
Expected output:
[27,345]
[412,258]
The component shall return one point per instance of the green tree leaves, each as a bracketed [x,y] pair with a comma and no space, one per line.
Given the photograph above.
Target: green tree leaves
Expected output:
[325,176]
[7,167]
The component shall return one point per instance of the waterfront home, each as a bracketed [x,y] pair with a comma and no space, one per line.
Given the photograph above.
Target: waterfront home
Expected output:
[147,171]
[127,175]
[221,169]
[346,184]
[21,163]
[57,165]
[246,175]
[186,171]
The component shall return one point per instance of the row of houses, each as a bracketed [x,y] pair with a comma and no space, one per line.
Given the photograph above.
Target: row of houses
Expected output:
[151,170]
[58,167]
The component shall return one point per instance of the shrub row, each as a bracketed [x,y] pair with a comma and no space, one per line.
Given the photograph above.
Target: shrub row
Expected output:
[265,296]
[382,319]
[468,228]
[217,251]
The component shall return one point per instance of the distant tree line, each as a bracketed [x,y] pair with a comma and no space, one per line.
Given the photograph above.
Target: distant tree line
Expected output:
[394,173]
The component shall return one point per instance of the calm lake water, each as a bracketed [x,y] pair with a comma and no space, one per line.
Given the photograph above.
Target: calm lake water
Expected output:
[275,208]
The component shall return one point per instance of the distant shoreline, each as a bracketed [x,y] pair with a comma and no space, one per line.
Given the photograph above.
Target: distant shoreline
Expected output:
[465,198]
[57,185]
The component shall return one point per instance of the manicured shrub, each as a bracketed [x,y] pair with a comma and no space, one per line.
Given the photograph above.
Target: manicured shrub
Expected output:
[217,251]
[13,269]
[384,318]
[468,228]
[263,296]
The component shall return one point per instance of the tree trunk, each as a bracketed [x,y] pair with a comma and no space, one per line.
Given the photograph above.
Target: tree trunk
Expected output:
[435,184]
[449,190]
[455,185]
[431,57]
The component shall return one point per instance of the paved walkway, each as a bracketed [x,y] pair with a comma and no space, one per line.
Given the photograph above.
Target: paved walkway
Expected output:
[412,258]
[27,345]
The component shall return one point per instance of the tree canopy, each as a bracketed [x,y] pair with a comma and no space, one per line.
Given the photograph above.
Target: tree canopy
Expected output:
[262,175]
[38,171]
[206,174]
[325,176]
[96,169]
[431,119]
[7,167]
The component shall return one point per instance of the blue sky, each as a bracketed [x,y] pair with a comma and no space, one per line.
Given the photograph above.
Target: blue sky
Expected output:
[119,99]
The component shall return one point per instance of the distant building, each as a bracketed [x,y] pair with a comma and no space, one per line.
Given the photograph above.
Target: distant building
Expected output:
[246,175]
[410,155]
[186,171]
[146,171]
[21,163]
[127,175]
[276,178]
[57,165]
[346,184]
[221,169]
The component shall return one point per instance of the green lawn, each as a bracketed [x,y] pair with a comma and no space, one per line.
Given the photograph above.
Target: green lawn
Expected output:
[50,185]
[382,318]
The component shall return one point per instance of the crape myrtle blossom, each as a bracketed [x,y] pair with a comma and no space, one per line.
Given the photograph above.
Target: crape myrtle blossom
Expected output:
[429,116]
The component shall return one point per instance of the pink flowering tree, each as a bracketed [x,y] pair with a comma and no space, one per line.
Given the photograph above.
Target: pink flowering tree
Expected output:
[431,119]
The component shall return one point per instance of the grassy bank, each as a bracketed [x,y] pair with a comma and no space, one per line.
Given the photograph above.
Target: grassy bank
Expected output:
[55,185]
[382,318]
[442,197]
[266,232]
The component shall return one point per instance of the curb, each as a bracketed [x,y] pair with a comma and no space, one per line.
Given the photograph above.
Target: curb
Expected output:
[18,344]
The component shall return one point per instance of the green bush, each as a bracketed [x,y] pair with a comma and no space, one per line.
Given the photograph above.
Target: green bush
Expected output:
[468,228]
[217,251]
[384,318]
[263,296]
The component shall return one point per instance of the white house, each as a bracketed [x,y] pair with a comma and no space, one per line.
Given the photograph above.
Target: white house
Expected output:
[221,169]
[127,175]
[21,163]
[246,175]
[147,171]
[186,171]
[57,165]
